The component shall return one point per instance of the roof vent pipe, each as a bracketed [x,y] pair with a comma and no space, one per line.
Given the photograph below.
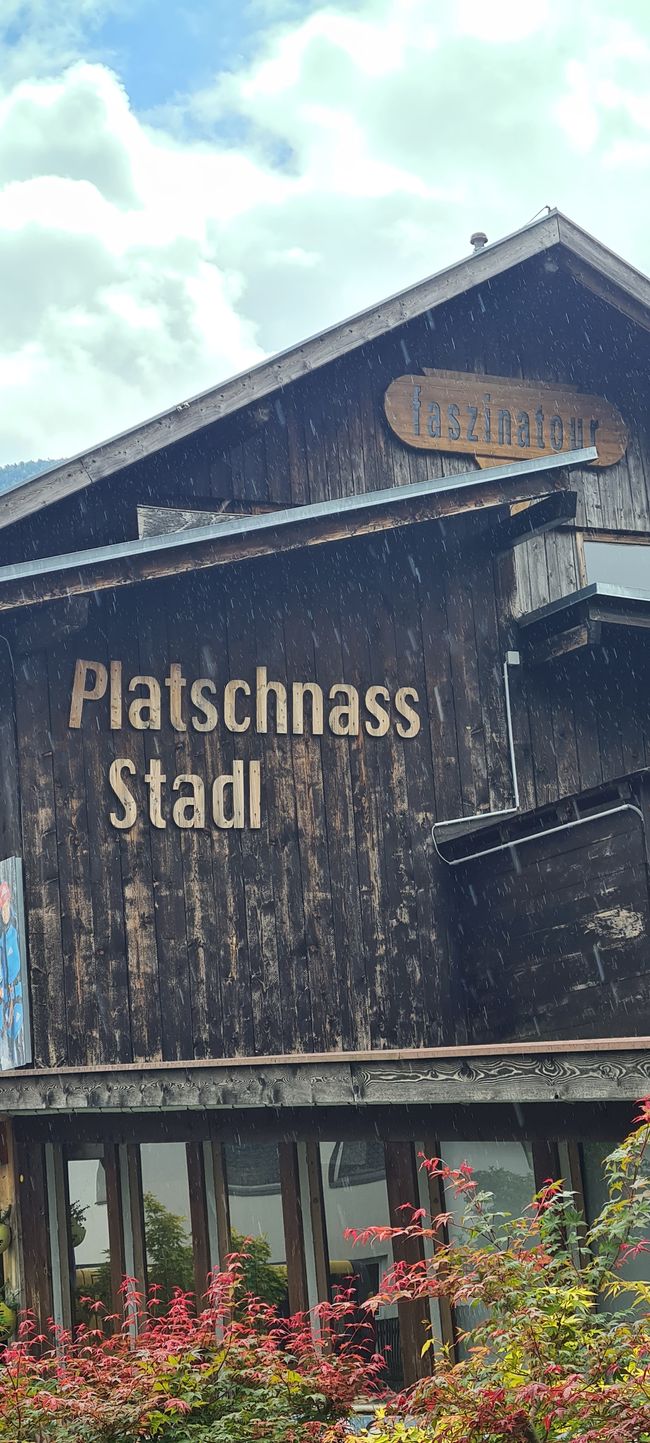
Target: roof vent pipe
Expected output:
[477,241]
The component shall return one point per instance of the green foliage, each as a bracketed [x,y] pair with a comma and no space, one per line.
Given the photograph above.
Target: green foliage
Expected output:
[545,1361]
[260,1277]
[170,1260]
[231,1374]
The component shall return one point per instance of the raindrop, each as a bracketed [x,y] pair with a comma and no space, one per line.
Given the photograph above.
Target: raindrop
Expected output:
[405,352]
[601,969]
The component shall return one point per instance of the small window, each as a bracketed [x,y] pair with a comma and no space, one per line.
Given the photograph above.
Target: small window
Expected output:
[352,1163]
[618,563]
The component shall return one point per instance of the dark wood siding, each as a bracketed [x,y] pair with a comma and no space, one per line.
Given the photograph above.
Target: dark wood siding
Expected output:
[335,925]
[555,935]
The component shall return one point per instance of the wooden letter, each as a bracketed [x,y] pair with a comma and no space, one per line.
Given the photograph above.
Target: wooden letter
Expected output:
[236,781]
[189,811]
[402,698]
[263,687]
[151,704]
[176,682]
[116,696]
[298,707]
[155,778]
[81,692]
[255,794]
[230,706]
[344,720]
[380,726]
[121,791]
[199,699]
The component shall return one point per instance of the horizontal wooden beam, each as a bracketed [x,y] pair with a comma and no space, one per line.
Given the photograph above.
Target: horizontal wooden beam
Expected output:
[561,643]
[542,516]
[125,565]
[532,1073]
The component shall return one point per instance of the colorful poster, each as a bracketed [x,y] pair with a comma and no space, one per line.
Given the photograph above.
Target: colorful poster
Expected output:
[15,1036]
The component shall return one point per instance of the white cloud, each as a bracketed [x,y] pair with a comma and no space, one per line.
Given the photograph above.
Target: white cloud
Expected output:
[144,259]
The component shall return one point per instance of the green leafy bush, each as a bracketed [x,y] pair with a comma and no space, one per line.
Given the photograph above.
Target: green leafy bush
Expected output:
[560,1349]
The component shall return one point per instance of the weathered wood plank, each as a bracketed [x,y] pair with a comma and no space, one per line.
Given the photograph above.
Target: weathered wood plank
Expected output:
[42,884]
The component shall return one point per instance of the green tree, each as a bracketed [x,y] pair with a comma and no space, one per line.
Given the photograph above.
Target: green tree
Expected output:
[170,1260]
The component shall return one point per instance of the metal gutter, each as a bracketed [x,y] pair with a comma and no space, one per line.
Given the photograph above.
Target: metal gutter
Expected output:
[586,593]
[291,517]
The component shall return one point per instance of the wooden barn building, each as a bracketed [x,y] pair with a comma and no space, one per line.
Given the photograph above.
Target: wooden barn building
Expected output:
[325,720]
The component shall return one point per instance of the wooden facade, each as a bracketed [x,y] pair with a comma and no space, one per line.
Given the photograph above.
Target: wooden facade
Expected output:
[224,886]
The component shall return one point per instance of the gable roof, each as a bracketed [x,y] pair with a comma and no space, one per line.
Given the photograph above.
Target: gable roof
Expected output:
[591,262]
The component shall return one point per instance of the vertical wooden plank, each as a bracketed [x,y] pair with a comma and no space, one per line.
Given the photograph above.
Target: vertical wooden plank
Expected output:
[546,1161]
[472,759]
[83,986]
[292,403]
[106,848]
[342,841]
[283,853]
[367,803]
[116,1249]
[227,979]
[318,1221]
[43,901]
[430,882]
[261,930]
[414,1321]
[312,838]
[136,858]
[10,829]
[199,1220]
[437,1204]
[586,720]
[276,443]
[221,1201]
[136,1215]
[196,849]
[293,1231]
[61,1250]
[404,978]
[167,869]
[33,1227]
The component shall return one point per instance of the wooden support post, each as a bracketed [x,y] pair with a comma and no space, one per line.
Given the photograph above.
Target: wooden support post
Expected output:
[136,1216]
[199,1220]
[293,1232]
[33,1228]
[318,1223]
[61,1251]
[219,1180]
[414,1317]
[116,1248]
[11,1259]
[437,1206]
[546,1161]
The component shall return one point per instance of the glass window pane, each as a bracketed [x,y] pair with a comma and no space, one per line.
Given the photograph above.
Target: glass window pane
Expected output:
[615,563]
[88,1226]
[255,1205]
[502,1168]
[354,1189]
[167,1226]
[595,1186]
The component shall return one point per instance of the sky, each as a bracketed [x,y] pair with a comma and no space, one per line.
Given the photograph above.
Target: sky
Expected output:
[187,186]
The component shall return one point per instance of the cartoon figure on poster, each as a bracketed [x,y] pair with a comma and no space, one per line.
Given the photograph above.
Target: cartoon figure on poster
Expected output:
[15,1048]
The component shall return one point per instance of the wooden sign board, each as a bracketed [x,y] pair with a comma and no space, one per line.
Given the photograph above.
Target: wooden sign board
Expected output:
[498,418]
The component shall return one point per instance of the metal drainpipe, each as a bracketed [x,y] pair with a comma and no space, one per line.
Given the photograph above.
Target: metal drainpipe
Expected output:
[513,658]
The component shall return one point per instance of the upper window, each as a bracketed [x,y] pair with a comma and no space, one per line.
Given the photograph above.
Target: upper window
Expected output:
[618,563]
